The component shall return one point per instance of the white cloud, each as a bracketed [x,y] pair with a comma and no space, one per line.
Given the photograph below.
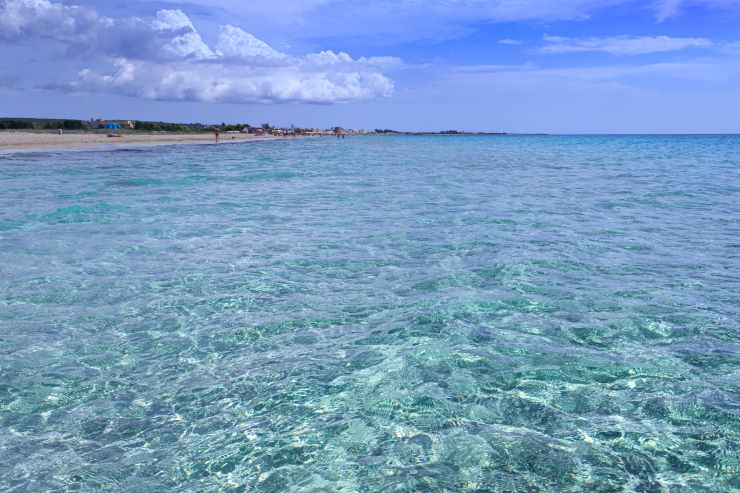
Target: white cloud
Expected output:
[173,20]
[23,18]
[185,42]
[328,58]
[237,43]
[508,41]
[166,59]
[620,45]
[182,81]
[381,62]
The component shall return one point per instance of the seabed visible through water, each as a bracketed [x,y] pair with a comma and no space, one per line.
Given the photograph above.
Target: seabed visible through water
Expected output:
[499,314]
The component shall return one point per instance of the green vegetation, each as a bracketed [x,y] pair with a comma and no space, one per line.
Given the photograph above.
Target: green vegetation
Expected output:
[72,125]
[234,127]
[41,124]
[163,127]
[15,124]
[82,125]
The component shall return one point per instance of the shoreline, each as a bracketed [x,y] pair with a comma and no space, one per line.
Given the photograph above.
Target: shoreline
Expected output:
[19,141]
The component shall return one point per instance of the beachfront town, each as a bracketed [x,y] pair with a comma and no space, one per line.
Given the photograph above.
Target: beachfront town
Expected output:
[99,124]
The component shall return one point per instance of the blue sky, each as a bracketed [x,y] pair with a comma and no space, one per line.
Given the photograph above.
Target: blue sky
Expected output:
[559,66]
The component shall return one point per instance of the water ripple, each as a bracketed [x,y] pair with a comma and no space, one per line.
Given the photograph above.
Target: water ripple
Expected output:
[524,314]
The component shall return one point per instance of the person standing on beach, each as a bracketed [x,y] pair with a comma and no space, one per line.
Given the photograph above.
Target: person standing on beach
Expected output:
[216,133]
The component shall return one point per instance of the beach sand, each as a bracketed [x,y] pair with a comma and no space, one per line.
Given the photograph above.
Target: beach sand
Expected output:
[28,141]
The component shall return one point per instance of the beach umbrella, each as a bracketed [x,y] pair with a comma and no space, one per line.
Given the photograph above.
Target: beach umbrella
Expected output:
[112,125]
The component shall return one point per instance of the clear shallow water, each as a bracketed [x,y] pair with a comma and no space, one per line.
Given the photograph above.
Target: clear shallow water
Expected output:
[375,314]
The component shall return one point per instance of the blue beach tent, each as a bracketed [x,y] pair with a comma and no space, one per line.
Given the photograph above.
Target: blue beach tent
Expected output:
[112,125]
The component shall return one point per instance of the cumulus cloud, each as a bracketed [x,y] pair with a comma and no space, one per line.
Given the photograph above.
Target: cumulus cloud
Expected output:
[236,84]
[165,58]
[23,18]
[237,43]
[184,41]
[620,45]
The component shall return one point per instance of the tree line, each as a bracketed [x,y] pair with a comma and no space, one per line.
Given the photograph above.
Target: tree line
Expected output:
[41,124]
[10,124]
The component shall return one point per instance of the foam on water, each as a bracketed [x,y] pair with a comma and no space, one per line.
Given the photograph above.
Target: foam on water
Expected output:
[373,314]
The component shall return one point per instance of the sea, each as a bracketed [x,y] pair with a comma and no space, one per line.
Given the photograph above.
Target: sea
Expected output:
[373,314]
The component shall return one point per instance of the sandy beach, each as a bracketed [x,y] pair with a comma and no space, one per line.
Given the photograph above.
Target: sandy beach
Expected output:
[11,141]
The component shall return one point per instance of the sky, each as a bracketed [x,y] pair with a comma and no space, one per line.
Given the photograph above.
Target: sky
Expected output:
[552,66]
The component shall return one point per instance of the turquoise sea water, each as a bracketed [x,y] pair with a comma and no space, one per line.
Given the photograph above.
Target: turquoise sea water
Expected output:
[519,314]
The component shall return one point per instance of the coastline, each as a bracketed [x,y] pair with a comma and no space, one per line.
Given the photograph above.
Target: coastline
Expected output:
[19,141]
